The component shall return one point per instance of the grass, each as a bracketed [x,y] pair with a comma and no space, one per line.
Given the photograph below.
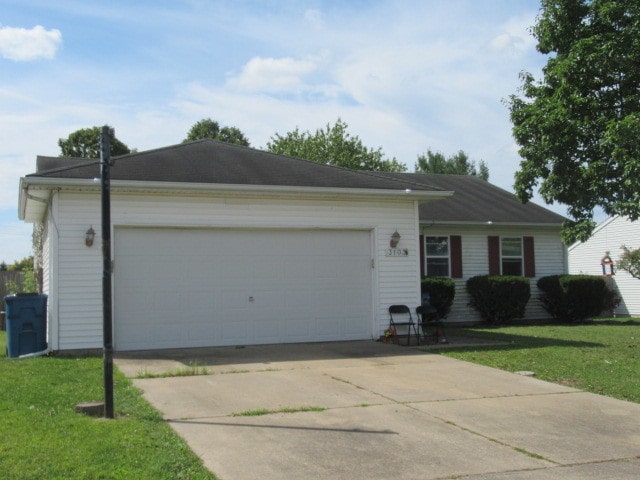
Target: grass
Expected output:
[194,369]
[264,411]
[41,436]
[602,356]
[188,371]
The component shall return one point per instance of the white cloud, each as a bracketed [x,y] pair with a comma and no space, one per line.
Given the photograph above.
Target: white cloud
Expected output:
[515,37]
[273,75]
[22,45]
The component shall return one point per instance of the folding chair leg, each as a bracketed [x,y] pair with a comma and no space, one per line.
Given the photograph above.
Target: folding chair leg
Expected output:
[439,335]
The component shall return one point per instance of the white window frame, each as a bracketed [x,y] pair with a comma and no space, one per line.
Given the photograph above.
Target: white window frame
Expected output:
[512,257]
[447,256]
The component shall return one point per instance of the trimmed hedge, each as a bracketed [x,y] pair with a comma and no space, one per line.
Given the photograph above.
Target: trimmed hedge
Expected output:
[441,291]
[574,298]
[499,299]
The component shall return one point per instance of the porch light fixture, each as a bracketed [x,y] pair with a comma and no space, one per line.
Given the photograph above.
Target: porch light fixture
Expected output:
[395,238]
[89,236]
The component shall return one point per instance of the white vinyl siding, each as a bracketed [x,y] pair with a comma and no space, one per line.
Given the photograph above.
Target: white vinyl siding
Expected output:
[77,280]
[550,255]
[584,258]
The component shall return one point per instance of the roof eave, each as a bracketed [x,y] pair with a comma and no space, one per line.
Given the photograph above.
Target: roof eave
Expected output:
[133,186]
[488,223]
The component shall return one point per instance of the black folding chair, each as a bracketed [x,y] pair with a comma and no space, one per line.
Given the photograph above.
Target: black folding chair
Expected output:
[428,318]
[400,316]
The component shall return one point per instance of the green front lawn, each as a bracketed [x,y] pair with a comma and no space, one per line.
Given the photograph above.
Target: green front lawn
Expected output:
[41,436]
[602,356]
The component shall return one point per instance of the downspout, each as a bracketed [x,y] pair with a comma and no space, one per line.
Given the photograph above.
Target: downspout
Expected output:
[46,351]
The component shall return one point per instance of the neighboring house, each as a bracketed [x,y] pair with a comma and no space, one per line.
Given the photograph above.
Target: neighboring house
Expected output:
[217,244]
[608,237]
[482,230]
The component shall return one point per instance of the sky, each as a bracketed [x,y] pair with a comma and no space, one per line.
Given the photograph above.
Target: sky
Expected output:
[407,76]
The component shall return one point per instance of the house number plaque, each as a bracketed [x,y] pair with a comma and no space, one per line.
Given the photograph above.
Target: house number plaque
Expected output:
[396,252]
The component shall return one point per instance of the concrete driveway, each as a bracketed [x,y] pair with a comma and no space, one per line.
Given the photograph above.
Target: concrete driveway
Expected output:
[366,410]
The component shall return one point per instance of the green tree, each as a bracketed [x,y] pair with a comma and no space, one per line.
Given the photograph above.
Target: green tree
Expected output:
[23,265]
[27,285]
[207,128]
[579,126]
[333,145]
[3,267]
[85,143]
[458,164]
[29,279]
[630,261]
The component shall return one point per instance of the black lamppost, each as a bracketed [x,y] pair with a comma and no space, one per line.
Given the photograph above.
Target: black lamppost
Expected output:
[107,329]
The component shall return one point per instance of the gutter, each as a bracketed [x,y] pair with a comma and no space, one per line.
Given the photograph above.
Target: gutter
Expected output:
[45,183]
[488,223]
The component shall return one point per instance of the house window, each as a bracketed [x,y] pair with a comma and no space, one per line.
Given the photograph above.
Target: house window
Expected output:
[511,255]
[437,256]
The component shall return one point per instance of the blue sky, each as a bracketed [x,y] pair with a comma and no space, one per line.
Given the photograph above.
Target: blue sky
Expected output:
[406,76]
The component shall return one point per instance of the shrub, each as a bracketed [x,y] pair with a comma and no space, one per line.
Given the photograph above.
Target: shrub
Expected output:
[552,298]
[499,299]
[441,291]
[574,298]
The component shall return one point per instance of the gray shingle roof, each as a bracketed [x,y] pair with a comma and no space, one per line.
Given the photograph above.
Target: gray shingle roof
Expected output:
[477,201]
[210,161]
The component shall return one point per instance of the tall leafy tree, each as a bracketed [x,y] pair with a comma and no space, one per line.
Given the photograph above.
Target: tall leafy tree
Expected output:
[333,145]
[458,164]
[207,128]
[85,143]
[579,126]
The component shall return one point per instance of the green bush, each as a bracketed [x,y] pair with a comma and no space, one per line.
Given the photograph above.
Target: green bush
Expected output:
[574,298]
[552,298]
[441,291]
[499,299]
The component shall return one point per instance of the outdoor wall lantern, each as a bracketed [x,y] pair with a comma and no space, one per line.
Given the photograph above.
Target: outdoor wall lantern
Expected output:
[395,238]
[89,236]
[607,265]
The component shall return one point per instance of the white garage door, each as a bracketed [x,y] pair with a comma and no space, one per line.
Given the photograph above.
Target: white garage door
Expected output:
[190,288]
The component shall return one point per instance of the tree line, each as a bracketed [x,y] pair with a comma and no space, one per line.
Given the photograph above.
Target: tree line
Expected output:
[330,145]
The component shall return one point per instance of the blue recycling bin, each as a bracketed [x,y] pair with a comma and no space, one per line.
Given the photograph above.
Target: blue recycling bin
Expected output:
[26,322]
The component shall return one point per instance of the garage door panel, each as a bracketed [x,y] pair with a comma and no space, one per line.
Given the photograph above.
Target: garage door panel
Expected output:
[264,331]
[352,326]
[268,268]
[233,333]
[327,327]
[181,288]
[296,328]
